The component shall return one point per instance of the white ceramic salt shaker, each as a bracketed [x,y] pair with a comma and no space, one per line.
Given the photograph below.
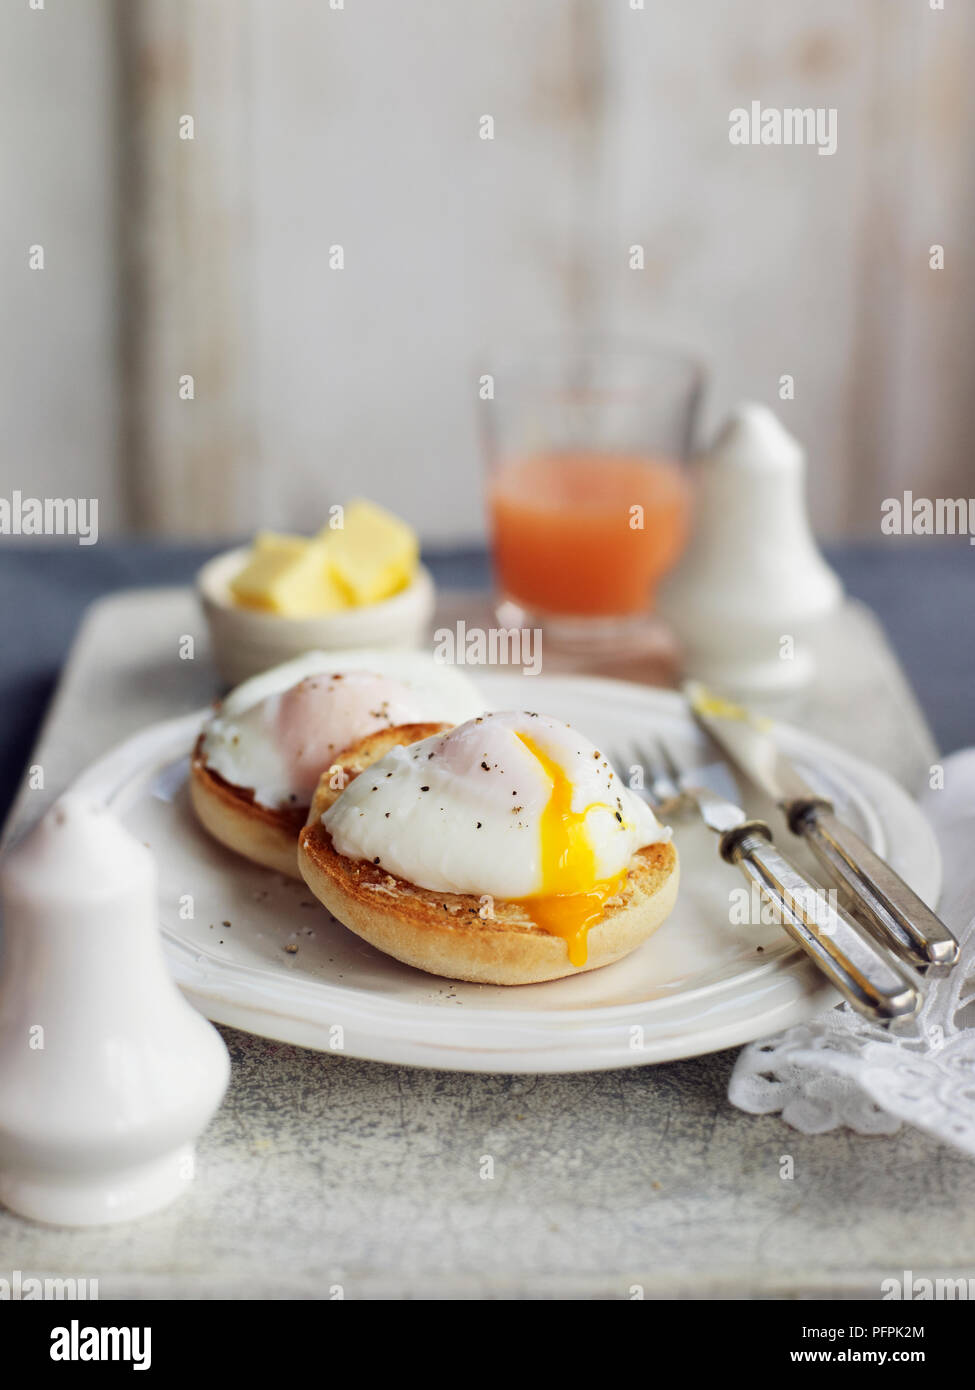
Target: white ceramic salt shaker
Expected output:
[107,1074]
[752,587]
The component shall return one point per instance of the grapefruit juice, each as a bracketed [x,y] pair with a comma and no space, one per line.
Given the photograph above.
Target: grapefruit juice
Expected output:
[587,534]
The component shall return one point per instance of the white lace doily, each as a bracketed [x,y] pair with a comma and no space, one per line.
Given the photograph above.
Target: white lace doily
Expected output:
[842,1070]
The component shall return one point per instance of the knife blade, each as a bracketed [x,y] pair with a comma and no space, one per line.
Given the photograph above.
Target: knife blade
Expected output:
[878,896]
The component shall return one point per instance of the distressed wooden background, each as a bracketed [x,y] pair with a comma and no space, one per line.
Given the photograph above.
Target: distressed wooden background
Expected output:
[358,126]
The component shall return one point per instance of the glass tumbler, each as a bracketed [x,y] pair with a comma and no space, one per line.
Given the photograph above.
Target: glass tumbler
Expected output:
[587,493]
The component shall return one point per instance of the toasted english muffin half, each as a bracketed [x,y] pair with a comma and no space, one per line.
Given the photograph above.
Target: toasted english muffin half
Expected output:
[445,933]
[267,835]
[263,834]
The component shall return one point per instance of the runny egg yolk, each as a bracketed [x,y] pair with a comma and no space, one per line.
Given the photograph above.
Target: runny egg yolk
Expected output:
[571,900]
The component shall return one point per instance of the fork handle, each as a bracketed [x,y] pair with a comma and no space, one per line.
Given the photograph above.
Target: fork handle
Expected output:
[867,980]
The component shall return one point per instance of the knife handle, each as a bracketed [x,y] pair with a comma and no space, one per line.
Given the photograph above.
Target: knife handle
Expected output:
[895,914]
[867,980]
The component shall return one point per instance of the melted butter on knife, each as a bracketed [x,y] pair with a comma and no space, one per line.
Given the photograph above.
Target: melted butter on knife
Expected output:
[704,702]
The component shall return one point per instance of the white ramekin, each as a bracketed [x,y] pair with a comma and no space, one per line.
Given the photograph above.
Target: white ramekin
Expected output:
[246,641]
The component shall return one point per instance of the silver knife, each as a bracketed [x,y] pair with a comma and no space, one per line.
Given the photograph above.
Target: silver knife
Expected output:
[879,897]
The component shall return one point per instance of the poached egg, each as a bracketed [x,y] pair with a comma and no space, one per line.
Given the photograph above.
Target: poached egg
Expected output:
[513,806]
[278,732]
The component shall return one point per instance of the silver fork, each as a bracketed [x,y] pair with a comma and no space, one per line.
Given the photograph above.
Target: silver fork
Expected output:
[870,982]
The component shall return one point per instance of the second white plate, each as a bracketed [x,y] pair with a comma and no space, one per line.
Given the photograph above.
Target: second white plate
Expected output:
[699,984]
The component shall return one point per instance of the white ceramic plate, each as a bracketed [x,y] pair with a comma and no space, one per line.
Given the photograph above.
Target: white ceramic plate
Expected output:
[699,984]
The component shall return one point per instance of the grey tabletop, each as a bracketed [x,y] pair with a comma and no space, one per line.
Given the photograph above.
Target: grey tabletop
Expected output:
[325,1174]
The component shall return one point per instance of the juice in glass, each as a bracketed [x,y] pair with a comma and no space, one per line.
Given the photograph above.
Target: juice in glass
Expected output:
[588,501]
[587,534]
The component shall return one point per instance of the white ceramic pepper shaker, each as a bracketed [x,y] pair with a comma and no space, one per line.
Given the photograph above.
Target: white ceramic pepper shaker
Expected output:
[752,586]
[107,1074]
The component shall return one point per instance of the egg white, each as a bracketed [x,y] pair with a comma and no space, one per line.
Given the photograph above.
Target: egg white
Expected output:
[452,693]
[462,812]
[242,743]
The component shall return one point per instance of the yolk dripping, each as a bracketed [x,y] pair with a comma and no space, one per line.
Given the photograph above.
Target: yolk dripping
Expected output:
[571,899]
